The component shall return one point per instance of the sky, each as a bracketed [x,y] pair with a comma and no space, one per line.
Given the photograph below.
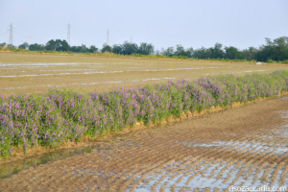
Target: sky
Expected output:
[164,23]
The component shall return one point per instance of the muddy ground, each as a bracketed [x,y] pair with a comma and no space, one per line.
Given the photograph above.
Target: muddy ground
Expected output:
[245,146]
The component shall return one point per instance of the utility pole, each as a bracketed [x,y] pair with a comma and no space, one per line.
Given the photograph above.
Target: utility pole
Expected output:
[10,42]
[68,33]
[108,37]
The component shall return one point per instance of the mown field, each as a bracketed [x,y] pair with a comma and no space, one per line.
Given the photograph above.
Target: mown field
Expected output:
[34,73]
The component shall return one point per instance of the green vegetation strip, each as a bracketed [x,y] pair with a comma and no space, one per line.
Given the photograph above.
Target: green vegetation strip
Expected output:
[273,50]
[61,116]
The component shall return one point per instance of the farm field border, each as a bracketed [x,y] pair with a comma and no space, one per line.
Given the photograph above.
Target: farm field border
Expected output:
[115,55]
[175,106]
[138,126]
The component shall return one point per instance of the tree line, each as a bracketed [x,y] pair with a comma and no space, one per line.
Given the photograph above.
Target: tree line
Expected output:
[272,50]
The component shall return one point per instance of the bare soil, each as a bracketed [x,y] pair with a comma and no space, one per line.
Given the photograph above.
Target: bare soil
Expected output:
[244,146]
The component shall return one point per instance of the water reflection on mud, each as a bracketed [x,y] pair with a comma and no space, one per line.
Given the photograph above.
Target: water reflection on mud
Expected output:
[8,169]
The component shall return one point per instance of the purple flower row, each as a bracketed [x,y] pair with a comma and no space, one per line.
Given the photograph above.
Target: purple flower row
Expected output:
[58,116]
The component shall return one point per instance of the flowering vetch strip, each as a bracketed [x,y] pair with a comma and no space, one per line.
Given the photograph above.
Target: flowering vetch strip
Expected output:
[58,116]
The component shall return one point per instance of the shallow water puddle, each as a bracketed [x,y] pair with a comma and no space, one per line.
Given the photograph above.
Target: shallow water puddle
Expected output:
[39,64]
[86,72]
[242,146]
[92,83]
[282,131]
[211,175]
[8,169]
[249,71]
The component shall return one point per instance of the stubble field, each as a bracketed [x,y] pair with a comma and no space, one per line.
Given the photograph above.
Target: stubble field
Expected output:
[34,73]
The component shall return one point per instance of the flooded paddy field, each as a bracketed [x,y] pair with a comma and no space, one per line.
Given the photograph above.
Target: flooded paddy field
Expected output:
[33,73]
[240,147]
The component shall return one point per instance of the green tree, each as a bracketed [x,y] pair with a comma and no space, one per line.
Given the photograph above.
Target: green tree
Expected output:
[190,52]
[250,53]
[2,44]
[216,52]
[180,51]
[201,53]
[168,52]
[79,49]
[62,45]
[57,45]
[36,47]
[280,49]
[129,48]
[106,48]
[233,53]
[117,49]
[24,45]
[50,45]
[145,49]
[93,49]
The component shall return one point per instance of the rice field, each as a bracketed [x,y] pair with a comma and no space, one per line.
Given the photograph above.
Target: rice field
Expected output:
[35,73]
[242,147]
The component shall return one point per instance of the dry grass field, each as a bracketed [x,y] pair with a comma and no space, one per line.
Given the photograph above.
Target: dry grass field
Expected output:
[34,73]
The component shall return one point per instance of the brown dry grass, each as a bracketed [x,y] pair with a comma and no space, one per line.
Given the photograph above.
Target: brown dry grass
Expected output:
[116,71]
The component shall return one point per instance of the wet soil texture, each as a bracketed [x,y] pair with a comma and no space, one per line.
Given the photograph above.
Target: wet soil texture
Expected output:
[245,146]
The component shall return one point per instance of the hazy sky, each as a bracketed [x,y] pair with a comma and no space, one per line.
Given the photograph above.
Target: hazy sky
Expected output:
[241,23]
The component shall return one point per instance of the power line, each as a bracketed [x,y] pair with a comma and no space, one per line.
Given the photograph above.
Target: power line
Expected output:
[68,33]
[11,34]
[107,37]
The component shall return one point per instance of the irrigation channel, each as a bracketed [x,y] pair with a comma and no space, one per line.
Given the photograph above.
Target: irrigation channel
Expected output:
[244,146]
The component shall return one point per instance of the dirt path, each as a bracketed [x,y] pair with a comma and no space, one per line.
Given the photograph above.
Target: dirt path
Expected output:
[244,146]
